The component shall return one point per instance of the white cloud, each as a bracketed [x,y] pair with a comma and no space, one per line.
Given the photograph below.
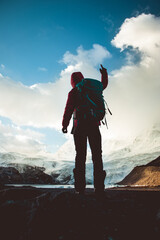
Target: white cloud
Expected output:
[92,57]
[16,139]
[42,105]
[42,69]
[109,24]
[2,66]
[32,106]
[134,90]
[140,32]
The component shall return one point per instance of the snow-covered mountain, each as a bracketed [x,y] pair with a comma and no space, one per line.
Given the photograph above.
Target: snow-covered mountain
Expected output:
[119,156]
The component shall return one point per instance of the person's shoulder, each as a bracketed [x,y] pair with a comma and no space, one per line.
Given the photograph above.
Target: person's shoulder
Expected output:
[73,91]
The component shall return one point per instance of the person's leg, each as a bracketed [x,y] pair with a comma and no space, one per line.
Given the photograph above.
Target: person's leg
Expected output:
[94,138]
[80,140]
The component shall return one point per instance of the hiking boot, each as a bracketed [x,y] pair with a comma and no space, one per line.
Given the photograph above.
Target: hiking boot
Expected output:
[99,182]
[99,193]
[79,182]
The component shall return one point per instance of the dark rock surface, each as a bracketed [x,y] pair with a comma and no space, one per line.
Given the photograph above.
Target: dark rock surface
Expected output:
[10,175]
[145,175]
[28,175]
[36,175]
[60,178]
[52,214]
[155,162]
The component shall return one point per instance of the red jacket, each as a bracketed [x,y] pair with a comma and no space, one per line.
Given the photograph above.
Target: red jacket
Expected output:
[72,99]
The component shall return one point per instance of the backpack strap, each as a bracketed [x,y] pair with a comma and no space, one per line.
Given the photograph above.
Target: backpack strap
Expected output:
[108,107]
[105,120]
[91,100]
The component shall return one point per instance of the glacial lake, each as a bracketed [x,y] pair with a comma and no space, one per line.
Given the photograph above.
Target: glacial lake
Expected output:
[54,186]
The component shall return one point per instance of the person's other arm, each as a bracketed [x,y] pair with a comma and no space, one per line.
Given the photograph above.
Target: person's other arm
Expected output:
[104,76]
[70,105]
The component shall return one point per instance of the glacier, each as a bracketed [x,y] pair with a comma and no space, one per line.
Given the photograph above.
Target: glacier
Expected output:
[119,157]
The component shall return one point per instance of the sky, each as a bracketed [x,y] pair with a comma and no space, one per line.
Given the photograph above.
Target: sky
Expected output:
[42,42]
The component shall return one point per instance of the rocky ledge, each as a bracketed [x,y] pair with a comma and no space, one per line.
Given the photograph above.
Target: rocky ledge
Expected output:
[38,214]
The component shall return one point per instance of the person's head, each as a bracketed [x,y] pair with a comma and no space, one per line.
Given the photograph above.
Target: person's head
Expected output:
[76,77]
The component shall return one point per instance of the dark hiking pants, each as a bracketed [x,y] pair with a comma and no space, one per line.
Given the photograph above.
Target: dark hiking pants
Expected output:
[93,135]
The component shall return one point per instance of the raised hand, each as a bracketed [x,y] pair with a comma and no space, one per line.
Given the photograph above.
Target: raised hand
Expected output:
[102,69]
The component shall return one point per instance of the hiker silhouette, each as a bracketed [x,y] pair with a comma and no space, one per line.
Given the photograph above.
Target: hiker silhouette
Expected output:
[85,126]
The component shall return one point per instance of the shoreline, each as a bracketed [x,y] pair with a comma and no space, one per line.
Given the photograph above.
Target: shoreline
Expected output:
[88,188]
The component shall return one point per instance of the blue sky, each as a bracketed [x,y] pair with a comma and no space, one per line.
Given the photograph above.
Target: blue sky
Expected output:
[36,35]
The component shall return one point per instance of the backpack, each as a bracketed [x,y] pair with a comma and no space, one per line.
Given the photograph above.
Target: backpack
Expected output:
[91,94]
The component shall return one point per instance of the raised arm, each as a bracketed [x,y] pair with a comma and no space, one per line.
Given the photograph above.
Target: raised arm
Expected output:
[104,76]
